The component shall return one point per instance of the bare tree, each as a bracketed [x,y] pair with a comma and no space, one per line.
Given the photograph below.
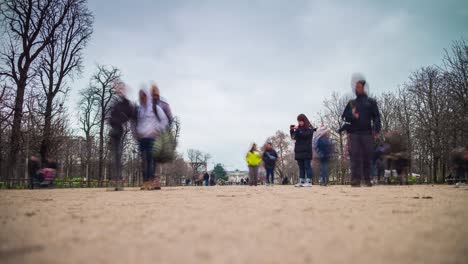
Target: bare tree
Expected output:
[89,120]
[30,26]
[198,161]
[283,145]
[102,93]
[62,60]
[332,119]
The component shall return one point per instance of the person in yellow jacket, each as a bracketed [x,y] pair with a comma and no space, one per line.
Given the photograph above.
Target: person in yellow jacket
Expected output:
[253,159]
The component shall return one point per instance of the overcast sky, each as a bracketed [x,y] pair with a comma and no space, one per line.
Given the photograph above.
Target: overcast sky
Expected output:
[237,71]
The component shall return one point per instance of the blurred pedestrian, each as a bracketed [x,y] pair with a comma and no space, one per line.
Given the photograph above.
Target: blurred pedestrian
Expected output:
[459,161]
[253,159]
[323,148]
[269,161]
[146,132]
[121,112]
[302,134]
[363,117]
[35,175]
[206,179]
[397,155]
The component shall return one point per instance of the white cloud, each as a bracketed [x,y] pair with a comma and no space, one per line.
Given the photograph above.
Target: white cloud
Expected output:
[235,72]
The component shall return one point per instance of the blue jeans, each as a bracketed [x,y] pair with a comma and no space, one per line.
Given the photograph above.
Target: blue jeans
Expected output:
[207,182]
[270,172]
[324,171]
[149,165]
[305,169]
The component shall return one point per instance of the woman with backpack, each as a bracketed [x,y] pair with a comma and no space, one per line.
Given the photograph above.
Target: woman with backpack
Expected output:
[253,159]
[323,148]
[302,134]
[153,118]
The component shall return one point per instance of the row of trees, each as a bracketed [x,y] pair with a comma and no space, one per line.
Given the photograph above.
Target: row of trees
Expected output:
[41,54]
[430,108]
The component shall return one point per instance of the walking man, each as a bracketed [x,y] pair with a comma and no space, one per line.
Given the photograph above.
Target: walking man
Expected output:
[363,117]
[122,111]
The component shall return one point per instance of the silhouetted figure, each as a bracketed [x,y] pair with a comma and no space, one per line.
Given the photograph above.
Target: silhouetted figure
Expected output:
[363,117]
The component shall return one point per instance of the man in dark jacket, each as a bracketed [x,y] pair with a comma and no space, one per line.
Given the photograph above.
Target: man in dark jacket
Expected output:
[363,117]
[206,179]
[121,112]
[269,161]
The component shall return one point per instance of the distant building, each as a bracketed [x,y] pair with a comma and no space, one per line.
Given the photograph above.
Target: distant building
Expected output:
[234,177]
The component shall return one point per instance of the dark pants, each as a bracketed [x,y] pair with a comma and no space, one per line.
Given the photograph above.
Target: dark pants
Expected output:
[148,163]
[116,149]
[324,171]
[305,169]
[361,157]
[207,182]
[270,175]
[253,175]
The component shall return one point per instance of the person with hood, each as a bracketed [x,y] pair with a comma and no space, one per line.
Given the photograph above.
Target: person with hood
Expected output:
[363,117]
[253,159]
[323,147]
[160,102]
[150,122]
[121,112]
[269,161]
[302,134]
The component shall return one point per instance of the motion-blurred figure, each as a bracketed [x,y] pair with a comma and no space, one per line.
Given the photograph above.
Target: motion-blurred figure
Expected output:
[152,120]
[35,175]
[303,134]
[324,148]
[269,161]
[396,153]
[459,159]
[206,179]
[253,159]
[363,117]
[121,112]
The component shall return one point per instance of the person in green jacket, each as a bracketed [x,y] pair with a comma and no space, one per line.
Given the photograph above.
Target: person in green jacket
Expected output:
[253,159]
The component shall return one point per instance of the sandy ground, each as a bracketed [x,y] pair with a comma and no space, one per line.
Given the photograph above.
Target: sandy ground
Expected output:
[236,224]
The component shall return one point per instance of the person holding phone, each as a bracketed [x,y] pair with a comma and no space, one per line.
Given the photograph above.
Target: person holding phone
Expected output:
[363,117]
[302,134]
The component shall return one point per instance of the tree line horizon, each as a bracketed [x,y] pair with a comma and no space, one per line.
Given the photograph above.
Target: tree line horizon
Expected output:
[42,55]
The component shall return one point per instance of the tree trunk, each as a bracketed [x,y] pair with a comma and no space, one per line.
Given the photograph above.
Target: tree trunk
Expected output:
[101,150]
[16,130]
[45,144]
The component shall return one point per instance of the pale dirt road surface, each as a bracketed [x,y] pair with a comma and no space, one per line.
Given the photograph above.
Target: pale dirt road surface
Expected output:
[236,224]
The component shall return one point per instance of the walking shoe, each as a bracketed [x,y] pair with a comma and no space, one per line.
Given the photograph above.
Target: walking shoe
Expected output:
[299,184]
[307,184]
